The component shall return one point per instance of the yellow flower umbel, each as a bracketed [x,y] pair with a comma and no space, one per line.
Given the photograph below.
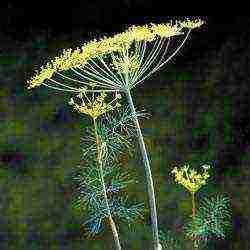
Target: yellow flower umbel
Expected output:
[191,180]
[96,106]
[136,34]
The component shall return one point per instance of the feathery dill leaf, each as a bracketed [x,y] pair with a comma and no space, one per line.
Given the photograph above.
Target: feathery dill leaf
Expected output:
[116,132]
[212,220]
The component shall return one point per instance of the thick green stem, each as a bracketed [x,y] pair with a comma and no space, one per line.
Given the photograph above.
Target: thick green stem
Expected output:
[150,184]
[110,219]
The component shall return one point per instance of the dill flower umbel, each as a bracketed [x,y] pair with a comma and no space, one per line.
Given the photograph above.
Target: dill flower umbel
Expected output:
[190,179]
[97,106]
[79,57]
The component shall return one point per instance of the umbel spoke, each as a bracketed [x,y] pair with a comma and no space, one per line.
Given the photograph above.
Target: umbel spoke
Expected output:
[67,88]
[76,90]
[168,59]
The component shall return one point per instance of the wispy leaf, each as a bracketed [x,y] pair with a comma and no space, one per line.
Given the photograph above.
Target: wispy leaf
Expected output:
[212,220]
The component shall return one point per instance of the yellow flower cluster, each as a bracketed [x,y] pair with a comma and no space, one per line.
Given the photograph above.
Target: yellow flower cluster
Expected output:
[95,107]
[191,24]
[45,73]
[190,179]
[141,33]
[78,57]
[126,64]
[116,43]
[166,30]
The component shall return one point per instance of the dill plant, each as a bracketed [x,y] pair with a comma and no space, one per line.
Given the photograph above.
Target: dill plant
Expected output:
[118,63]
[101,180]
[212,219]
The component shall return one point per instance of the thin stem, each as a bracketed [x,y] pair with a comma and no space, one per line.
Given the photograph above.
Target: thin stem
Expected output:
[112,80]
[113,58]
[150,184]
[169,58]
[99,80]
[196,245]
[193,205]
[176,51]
[141,56]
[68,87]
[104,90]
[110,219]
[164,53]
[115,78]
[150,58]
[71,79]
[126,73]
[66,90]
[78,90]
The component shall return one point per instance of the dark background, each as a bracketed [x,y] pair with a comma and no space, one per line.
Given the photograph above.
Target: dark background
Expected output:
[199,109]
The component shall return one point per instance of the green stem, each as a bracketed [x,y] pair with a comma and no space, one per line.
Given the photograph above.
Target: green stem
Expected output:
[193,205]
[150,184]
[193,215]
[110,219]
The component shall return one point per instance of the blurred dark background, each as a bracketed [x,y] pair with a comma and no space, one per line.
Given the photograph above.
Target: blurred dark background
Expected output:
[199,114]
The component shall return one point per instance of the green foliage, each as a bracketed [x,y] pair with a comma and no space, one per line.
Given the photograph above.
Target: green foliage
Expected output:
[212,220]
[116,131]
[117,134]
[169,241]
